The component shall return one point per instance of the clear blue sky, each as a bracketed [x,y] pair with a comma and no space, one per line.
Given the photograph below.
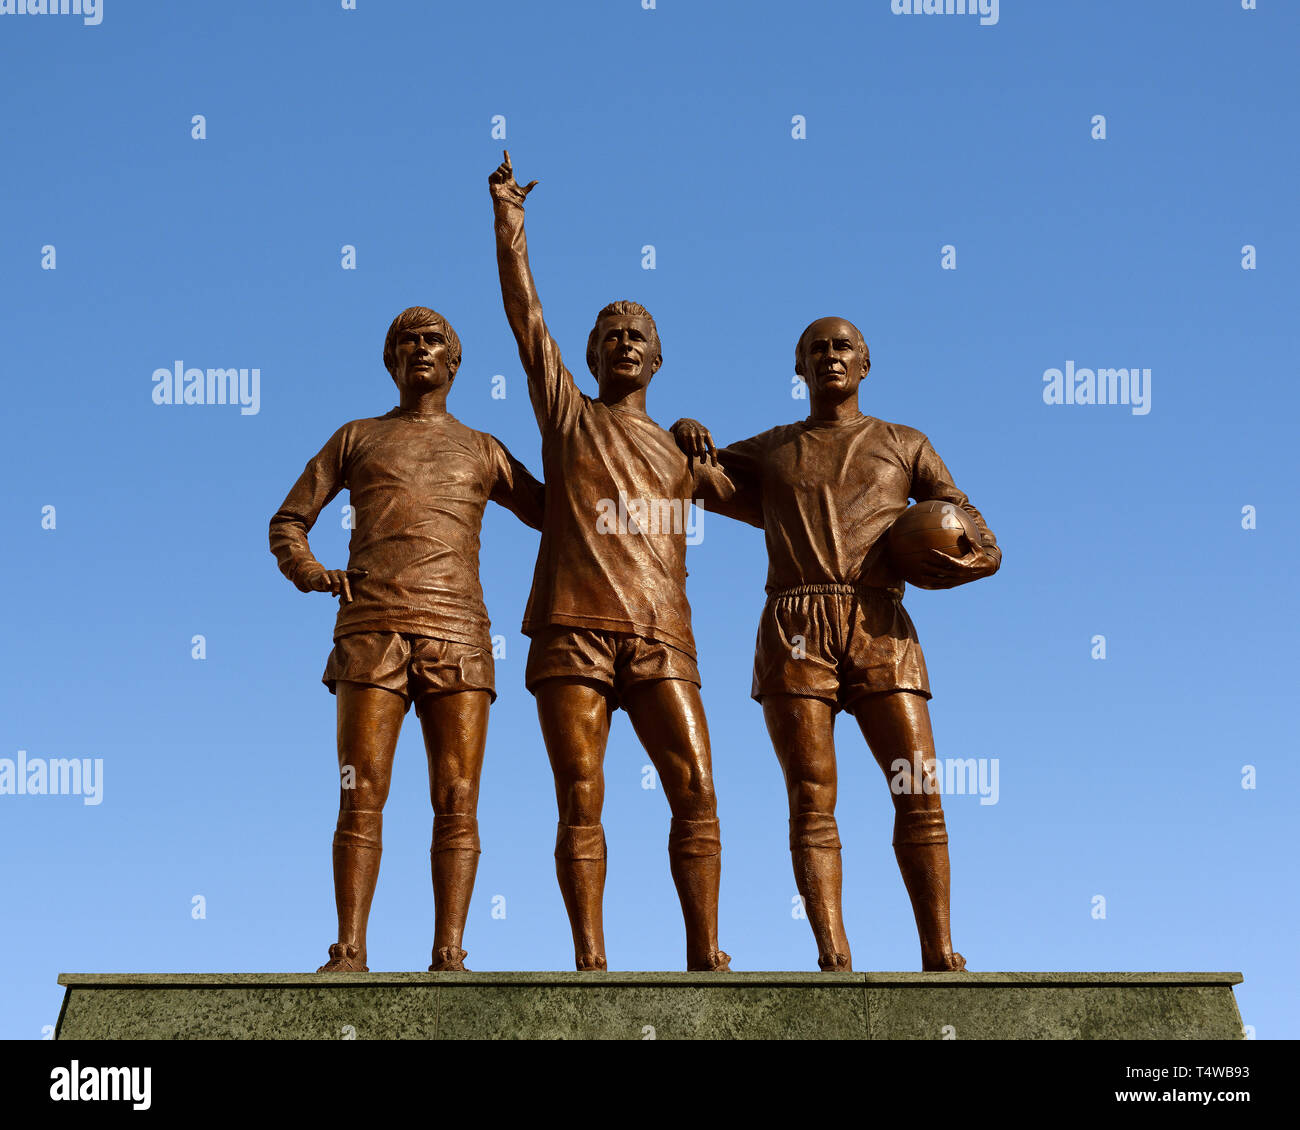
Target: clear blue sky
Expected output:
[1119,777]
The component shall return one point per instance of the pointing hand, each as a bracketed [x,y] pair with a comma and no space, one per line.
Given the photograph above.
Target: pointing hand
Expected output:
[503,184]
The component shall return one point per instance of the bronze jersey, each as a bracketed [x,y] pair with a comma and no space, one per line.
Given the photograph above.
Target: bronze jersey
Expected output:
[418,486]
[613,552]
[830,490]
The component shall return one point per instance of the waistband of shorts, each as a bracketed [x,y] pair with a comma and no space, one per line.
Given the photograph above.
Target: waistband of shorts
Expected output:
[835,590]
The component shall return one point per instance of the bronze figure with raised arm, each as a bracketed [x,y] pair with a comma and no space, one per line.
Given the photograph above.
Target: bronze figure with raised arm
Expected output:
[608,616]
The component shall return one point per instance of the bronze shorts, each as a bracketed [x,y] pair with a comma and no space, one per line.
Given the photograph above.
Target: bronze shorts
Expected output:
[412,666]
[838,643]
[615,659]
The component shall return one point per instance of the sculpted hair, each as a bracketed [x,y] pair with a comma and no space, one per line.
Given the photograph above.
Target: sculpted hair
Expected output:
[627,309]
[411,318]
[798,347]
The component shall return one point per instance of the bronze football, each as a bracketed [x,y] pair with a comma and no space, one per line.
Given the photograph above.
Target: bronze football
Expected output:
[929,525]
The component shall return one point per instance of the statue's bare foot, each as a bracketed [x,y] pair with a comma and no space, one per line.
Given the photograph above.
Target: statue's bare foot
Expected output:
[947,963]
[345,958]
[449,959]
[591,963]
[715,962]
[834,963]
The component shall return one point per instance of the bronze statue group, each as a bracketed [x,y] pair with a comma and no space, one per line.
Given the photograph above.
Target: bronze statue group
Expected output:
[608,619]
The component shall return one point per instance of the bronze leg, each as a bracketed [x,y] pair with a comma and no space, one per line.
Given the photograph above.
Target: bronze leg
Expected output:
[668,717]
[802,730]
[455,738]
[897,728]
[369,720]
[574,716]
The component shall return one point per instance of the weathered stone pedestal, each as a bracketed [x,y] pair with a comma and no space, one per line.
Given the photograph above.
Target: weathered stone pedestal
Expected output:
[634,1006]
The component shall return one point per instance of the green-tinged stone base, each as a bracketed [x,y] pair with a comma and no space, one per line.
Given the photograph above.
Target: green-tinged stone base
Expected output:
[636,1006]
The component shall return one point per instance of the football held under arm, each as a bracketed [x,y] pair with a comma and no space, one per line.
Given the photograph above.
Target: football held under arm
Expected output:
[931,480]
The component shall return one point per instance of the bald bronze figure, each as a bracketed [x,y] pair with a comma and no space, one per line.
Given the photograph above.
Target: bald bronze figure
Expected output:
[834,636]
[412,629]
[608,617]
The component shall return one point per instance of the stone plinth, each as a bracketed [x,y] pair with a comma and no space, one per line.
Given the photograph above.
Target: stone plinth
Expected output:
[633,1006]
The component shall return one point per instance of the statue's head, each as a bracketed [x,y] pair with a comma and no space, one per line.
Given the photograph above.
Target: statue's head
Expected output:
[421,351]
[832,356]
[623,350]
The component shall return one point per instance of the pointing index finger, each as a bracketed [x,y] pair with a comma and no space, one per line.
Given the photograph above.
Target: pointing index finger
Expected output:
[506,162]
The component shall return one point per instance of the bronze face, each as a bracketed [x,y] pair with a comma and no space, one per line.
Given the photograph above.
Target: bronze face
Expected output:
[627,354]
[832,357]
[422,359]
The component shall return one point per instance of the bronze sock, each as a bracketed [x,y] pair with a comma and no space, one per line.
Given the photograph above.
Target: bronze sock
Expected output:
[695,859]
[453,858]
[358,845]
[580,868]
[921,848]
[818,876]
